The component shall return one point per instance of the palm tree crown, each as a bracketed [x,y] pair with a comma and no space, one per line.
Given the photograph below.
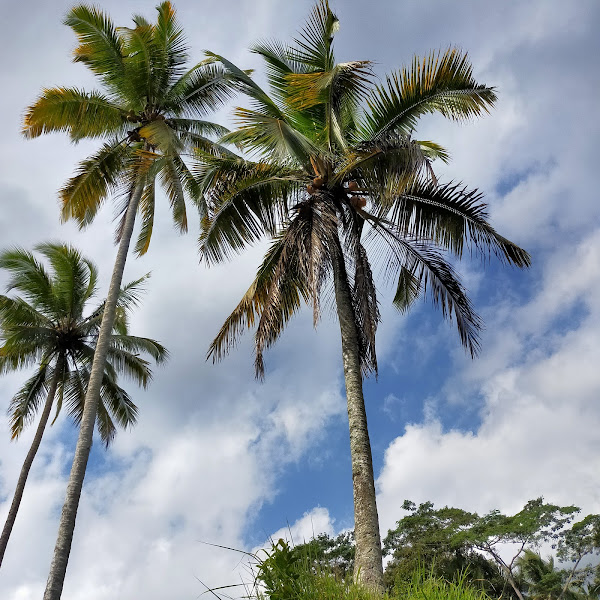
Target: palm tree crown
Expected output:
[47,328]
[332,173]
[149,112]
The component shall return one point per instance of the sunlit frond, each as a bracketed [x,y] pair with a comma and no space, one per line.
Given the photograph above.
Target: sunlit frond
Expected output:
[439,83]
[95,178]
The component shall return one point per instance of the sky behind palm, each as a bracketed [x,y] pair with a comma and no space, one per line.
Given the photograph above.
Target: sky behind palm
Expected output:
[218,457]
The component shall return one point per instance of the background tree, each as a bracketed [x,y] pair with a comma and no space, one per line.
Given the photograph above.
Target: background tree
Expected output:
[47,326]
[150,115]
[427,534]
[336,174]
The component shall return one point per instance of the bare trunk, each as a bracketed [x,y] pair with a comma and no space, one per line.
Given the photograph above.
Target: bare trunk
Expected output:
[16,502]
[368,567]
[58,568]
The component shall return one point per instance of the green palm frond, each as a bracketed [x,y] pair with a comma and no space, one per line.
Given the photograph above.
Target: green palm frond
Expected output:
[271,136]
[96,177]
[314,46]
[74,277]
[140,345]
[172,50]
[131,365]
[78,113]
[280,63]
[247,200]
[171,179]
[203,89]
[26,401]
[29,277]
[100,47]
[439,83]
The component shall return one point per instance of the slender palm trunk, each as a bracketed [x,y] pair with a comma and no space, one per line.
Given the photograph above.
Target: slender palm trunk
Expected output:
[58,568]
[37,438]
[368,567]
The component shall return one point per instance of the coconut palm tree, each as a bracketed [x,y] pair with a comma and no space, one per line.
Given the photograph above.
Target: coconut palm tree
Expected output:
[334,176]
[48,327]
[150,114]
[543,581]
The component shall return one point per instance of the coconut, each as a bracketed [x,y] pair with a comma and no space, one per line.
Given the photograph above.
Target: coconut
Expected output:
[318,181]
[310,189]
[352,186]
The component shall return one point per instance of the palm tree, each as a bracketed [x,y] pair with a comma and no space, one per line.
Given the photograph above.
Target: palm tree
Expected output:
[336,172]
[542,580]
[48,327]
[150,115]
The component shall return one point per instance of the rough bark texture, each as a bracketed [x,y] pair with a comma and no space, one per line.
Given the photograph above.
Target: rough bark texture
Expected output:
[368,567]
[58,568]
[16,502]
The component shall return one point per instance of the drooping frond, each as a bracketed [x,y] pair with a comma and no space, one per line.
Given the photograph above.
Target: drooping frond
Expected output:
[78,113]
[146,209]
[26,401]
[450,216]
[29,277]
[293,270]
[439,83]
[136,345]
[408,289]
[247,199]
[96,177]
[433,274]
[364,297]
[171,179]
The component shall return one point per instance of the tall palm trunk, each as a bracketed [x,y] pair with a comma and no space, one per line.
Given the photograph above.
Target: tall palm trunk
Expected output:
[37,438]
[368,567]
[58,568]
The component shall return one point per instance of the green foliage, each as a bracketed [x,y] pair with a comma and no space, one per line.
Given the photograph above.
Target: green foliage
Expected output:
[288,573]
[449,541]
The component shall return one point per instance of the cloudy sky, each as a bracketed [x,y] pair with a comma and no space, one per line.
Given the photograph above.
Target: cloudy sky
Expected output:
[217,457]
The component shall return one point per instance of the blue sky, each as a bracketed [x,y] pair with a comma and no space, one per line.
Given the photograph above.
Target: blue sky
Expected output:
[219,457]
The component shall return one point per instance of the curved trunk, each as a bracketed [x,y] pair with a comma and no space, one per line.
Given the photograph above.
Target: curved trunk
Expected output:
[368,567]
[37,438]
[66,527]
